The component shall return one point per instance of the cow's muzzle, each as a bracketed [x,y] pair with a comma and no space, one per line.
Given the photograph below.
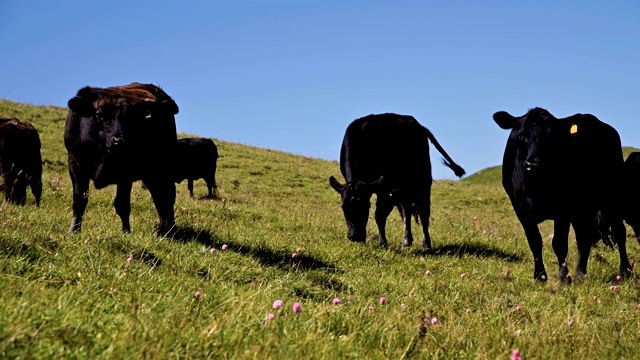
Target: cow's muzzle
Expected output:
[531,165]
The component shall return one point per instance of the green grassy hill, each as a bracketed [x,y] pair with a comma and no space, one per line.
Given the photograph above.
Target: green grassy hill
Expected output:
[78,297]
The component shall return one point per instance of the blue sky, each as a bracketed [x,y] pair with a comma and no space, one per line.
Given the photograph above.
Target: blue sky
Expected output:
[291,75]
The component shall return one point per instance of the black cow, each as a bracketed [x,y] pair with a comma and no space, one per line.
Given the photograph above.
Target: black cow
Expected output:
[196,159]
[632,192]
[118,135]
[568,170]
[20,160]
[387,154]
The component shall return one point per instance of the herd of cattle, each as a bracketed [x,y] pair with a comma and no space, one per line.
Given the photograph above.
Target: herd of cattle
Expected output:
[569,170]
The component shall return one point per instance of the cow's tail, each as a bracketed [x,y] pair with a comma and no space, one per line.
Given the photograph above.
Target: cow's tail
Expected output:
[447,161]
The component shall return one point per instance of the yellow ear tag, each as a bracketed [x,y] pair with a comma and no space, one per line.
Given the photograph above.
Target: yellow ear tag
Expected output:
[574,129]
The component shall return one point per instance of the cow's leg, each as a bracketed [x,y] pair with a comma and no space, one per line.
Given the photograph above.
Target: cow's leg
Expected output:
[211,185]
[163,193]
[384,206]
[620,238]
[407,238]
[36,190]
[80,182]
[122,204]
[190,186]
[7,187]
[560,245]
[424,212]
[535,244]
[586,234]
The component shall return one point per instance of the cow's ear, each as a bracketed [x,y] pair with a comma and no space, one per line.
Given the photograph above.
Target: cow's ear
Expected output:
[505,120]
[336,185]
[81,106]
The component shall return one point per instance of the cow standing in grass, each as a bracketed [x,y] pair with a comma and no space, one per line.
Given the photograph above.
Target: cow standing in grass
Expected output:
[20,160]
[388,155]
[118,135]
[196,159]
[569,170]
[632,192]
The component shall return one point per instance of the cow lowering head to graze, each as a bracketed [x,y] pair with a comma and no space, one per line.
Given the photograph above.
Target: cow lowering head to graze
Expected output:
[20,160]
[196,159]
[118,135]
[568,170]
[387,154]
[632,192]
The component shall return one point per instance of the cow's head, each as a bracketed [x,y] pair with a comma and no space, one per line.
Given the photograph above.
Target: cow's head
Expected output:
[106,114]
[116,121]
[356,197]
[532,137]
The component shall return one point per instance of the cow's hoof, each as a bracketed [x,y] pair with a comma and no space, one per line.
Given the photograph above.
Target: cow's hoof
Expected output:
[541,277]
[382,242]
[406,243]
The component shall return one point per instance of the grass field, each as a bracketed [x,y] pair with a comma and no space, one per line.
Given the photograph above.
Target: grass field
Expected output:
[78,297]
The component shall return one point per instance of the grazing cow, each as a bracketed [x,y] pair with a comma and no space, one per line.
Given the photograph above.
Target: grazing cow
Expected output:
[196,159]
[632,192]
[387,154]
[118,135]
[20,160]
[568,170]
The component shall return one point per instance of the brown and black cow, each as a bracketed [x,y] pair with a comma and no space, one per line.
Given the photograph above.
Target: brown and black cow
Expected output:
[197,159]
[118,135]
[20,160]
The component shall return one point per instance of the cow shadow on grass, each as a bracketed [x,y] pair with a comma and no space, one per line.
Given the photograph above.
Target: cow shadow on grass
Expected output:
[471,249]
[281,259]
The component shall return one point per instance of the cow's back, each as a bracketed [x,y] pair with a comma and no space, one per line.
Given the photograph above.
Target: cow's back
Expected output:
[389,145]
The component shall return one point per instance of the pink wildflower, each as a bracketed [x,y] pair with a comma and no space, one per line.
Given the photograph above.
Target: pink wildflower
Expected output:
[595,298]
[463,275]
[296,308]
[298,249]
[129,259]
[198,294]
[294,255]
[614,288]
[519,308]
[271,316]
[370,308]
[434,321]
[618,278]
[383,300]
[468,311]
[225,247]
[277,304]
[475,218]
[515,355]
[428,273]
[336,301]
[569,323]
[570,334]
[402,306]
[213,250]
[401,274]
[484,232]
